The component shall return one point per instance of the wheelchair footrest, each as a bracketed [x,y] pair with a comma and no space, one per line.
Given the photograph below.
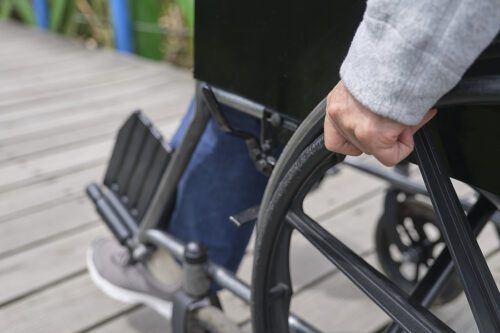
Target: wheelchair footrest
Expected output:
[138,161]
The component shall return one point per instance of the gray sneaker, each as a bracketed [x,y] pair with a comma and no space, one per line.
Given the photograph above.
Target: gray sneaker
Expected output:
[110,269]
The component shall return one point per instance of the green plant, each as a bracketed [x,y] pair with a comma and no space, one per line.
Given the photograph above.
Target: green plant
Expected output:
[20,9]
[162,28]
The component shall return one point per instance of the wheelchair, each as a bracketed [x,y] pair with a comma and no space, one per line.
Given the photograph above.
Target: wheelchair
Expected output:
[263,63]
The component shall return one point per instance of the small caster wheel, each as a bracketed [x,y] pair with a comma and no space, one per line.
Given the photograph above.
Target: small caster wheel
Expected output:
[408,243]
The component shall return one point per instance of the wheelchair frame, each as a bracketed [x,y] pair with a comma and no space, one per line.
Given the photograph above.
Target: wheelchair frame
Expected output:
[459,231]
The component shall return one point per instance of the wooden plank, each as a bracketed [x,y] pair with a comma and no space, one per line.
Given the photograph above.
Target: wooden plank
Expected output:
[60,78]
[140,321]
[44,194]
[336,305]
[65,140]
[157,106]
[18,35]
[70,90]
[32,63]
[71,306]
[61,83]
[87,59]
[78,54]
[338,189]
[39,196]
[41,266]
[54,108]
[60,163]
[43,226]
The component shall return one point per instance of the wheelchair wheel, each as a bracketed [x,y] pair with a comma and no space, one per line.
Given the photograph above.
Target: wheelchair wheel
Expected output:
[406,250]
[303,162]
[289,183]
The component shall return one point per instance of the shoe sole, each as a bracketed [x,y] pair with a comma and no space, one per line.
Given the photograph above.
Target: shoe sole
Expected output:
[123,295]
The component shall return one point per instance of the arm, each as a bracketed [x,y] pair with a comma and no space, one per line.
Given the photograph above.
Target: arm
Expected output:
[405,55]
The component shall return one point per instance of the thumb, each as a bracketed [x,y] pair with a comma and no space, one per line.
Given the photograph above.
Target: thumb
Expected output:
[428,116]
[405,143]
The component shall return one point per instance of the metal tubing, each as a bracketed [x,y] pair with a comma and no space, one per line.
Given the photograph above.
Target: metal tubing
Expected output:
[240,103]
[440,272]
[122,27]
[391,299]
[121,211]
[396,179]
[477,280]
[297,325]
[220,275]
[228,281]
[165,192]
[246,106]
[165,241]
[108,215]
[402,182]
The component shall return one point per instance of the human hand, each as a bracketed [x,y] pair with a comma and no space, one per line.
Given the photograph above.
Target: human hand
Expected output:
[352,129]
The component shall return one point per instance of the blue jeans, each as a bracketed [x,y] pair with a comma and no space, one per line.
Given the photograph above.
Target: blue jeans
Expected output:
[220,181]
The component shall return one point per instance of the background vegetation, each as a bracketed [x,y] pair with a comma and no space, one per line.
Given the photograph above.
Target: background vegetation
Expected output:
[162,29]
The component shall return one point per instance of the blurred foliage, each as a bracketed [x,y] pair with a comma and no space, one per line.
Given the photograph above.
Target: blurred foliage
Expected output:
[178,46]
[163,29]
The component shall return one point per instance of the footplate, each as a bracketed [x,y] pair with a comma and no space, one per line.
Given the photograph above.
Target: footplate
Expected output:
[139,159]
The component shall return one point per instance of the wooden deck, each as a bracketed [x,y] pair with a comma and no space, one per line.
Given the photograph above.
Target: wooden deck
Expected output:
[60,106]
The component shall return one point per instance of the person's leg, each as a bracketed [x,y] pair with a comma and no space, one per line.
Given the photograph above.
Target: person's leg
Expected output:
[220,180]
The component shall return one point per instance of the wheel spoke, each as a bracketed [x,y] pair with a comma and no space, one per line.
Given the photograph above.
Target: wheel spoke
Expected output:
[479,285]
[441,271]
[377,287]
[416,273]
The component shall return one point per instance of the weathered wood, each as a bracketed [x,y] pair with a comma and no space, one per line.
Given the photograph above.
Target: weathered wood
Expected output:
[39,196]
[45,114]
[335,305]
[107,122]
[53,108]
[69,92]
[58,111]
[71,306]
[140,321]
[54,165]
[42,266]
[58,115]
[44,226]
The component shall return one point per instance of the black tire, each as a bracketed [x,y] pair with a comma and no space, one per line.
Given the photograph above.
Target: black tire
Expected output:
[210,319]
[303,162]
[308,130]
[304,156]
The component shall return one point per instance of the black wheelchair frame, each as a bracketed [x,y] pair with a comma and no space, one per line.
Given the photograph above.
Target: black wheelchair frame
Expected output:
[409,312]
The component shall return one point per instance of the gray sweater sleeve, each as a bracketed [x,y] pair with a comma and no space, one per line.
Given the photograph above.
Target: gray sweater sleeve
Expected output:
[406,54]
